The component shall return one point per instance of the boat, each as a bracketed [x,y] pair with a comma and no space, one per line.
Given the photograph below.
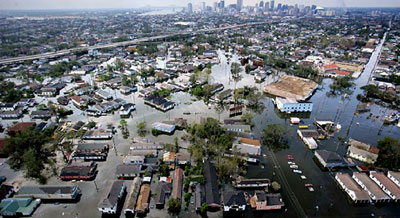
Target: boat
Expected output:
[294,166]
[303,127]
[297,171]
[290,163]
[303,177]
[294,120]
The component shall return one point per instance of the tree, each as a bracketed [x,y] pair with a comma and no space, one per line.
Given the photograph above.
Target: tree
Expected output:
[26,152]
[174,206]
[203,209]
[273,137]
[276,186]
[247,118]
[389,153]
[141,129]
[91,124]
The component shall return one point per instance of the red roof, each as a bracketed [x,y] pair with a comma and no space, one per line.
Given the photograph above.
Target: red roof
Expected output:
[374,150]
[339,72]
[330,66]
[76,98]
[21,126]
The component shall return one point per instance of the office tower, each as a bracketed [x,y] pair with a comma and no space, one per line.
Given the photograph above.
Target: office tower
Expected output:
[266,6]
[272,5]
[239,4]
[261,5]
[279,7]
[313,7]
[222,4]
[215,6]
[190,8]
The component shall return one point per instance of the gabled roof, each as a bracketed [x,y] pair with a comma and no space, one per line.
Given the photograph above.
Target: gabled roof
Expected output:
[234,198]
[211,190]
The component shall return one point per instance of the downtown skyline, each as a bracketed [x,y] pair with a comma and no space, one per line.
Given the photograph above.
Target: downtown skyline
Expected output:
[104,4]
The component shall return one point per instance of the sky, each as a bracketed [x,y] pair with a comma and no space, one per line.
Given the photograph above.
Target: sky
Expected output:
[88,4]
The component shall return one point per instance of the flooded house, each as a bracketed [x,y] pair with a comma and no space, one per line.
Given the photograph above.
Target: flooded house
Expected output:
[374,191]
[386,185]
[234,201]
[130,203]
[109,204]
[79,171]
[353,190]
[262,201]
[362,151]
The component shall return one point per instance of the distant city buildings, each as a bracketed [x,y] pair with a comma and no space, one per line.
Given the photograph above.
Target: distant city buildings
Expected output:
[190,8]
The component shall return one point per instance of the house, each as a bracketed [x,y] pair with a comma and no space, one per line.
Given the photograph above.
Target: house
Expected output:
[163,189]
[142,205]
[26,102]
[130,203]
[395,177]
[49,192]
[329,159]
[386,185]
[169,158]
[182,158]
[248,146]
[63,100]
[19,127]
[217,87]
[355,192]
[163,127]
[210,190]
[375,193]
[8,106]
[290,105]
[109,204]
[78,101]
[127,89]
[177,184]
[48,92]
[18,207]
[307,136]
[131,159]
[362,151]
[98,134]
[127,171]
[210,53]
[90,151]
[234,201]
[15,114]
[127,109]
[103,94]
[262,201]
[252,183]
[41,114]
[159,103]
[224,95]
[239,130]
[79,171]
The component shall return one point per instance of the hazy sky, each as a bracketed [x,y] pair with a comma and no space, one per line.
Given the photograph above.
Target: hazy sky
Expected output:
[81,4]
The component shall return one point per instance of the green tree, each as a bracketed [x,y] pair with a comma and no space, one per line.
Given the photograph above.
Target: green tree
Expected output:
[389,153]
[141,129]
[174,206]
[274,137]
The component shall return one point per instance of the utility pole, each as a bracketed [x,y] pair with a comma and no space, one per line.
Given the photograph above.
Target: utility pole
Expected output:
[95,185]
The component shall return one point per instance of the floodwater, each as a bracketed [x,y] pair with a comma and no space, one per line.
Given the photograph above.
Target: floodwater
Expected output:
[327,196]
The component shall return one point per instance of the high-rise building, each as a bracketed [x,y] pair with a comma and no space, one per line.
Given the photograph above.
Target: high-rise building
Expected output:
[203,6]
[272,5]
[266,6]
[279,7]
[239,4]
[222,4]
[190,8]
[313,7]
[261,5]
[215,6]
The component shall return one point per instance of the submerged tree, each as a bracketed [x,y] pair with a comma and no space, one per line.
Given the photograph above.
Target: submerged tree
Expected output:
[274,137]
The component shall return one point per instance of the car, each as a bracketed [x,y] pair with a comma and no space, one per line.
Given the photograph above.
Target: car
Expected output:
[289,157]
[303,177]
[294,166]
[297,171]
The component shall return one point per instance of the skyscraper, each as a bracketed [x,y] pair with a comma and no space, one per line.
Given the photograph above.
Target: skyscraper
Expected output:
[215,6]
[239,4]
[222,4]
[203,6]
[266,6]
[261,5]
[190,8]
[272,5]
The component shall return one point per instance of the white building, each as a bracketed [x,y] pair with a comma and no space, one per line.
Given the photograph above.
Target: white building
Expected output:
[288,105]
[355,192]
[109,204]
[395,177]
[386,185]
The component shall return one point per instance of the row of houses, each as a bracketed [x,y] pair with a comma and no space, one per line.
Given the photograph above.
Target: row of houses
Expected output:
[376,188]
